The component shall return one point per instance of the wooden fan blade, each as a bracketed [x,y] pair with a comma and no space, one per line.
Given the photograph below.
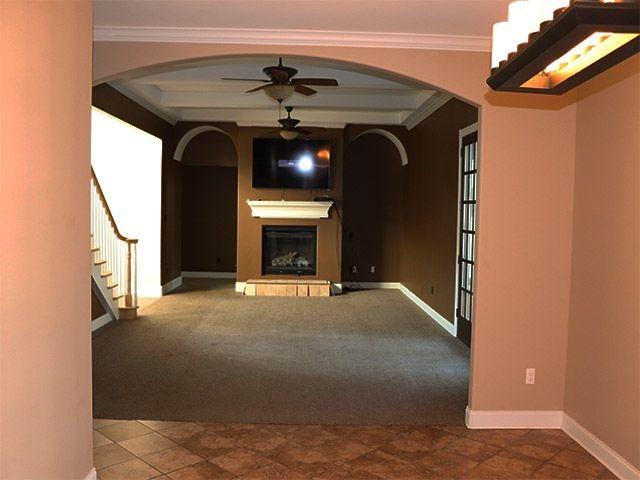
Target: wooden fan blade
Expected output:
[305,90]
[320,82]
[257,88]
[247,80]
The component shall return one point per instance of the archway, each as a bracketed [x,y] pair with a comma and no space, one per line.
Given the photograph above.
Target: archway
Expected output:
[404,158]
[191,134]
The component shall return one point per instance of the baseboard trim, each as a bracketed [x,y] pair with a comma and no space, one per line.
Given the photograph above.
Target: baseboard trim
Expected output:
[443,322]
[371,285]
[171,285]
[232,275]
[513,419]
[596,447]
[100,321]
[240,287]
[92,475]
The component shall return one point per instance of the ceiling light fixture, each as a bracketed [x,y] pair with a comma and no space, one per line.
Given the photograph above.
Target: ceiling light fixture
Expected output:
[279,92]
[289,134]
[552,46]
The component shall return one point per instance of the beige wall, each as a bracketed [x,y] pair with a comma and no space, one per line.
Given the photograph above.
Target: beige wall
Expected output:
[603,356]
[525,208]
[45,377]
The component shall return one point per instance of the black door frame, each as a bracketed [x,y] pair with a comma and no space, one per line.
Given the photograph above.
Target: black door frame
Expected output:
[466,232]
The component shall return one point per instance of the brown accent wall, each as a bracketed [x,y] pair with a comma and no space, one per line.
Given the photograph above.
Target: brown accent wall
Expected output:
[108,99]
[45,339]
[430,204]
[373,208]
[603,356]
[209,218]
[250,228]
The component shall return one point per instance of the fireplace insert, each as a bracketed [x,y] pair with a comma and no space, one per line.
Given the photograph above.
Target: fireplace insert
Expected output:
[289,250]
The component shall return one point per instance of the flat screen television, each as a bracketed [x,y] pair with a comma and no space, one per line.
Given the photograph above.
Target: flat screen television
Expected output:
[279,163]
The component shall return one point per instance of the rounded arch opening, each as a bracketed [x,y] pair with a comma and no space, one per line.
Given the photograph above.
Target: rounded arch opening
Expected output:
[404,158]
[191,134]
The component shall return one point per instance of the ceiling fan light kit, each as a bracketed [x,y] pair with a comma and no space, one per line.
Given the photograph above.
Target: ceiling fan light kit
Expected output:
[280,93]
[552,46]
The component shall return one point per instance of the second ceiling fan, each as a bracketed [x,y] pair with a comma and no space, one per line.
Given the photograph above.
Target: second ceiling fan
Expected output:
[281,83]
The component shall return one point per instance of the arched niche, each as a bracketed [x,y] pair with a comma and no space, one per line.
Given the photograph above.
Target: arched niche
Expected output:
[191,134]
[404,158]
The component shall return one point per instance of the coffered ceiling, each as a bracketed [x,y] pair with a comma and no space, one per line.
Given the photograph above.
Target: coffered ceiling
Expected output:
[198,93]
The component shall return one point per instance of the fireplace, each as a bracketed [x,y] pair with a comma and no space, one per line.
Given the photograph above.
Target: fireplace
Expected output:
[289,250]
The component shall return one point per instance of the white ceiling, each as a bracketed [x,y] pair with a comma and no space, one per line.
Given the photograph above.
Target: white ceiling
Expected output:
[430,17]
[199,94]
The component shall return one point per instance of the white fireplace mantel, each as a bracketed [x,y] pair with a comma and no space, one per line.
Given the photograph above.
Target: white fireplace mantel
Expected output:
[289,209]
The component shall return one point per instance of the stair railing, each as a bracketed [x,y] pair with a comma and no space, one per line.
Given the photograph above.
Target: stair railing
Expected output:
[118,251]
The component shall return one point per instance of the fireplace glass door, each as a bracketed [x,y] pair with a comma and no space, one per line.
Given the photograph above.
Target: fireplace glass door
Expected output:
[289,250]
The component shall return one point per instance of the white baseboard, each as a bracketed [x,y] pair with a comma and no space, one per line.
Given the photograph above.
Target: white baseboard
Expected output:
[443,322]
[171,285]
[371,285]
[209,274]
[596,447]
[240,287]
[92,475]
[101,321]
[513,418]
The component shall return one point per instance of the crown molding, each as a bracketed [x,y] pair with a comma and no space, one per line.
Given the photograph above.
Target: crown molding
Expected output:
[291,37]
[433,103]
[167,117]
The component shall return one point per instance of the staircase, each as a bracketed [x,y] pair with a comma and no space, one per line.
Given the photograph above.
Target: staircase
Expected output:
[113,259]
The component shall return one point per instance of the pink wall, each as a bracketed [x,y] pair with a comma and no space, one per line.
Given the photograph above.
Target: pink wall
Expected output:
[525,213]
[45,341]
[603,356]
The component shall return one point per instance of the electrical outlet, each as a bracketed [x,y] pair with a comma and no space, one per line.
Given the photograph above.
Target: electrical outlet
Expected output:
[373,269]
[431,289]
[354,269]
[530,376]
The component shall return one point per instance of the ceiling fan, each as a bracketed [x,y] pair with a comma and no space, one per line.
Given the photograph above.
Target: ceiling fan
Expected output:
[290,130]
[281,83]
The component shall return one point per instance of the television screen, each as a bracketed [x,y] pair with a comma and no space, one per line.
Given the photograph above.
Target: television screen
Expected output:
[279,163]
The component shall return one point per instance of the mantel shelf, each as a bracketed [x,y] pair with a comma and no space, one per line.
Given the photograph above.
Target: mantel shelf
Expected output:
[289,209]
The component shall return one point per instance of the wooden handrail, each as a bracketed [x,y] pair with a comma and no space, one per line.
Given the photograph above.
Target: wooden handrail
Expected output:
[112,221]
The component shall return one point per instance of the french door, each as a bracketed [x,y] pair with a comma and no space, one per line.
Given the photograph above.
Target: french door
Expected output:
[467,233]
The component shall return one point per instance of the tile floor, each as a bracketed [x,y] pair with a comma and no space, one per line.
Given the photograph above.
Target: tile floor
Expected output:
[132,450]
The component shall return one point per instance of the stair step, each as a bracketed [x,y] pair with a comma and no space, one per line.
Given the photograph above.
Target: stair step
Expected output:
[111,287]
[95,249]
[117,297]
[106,274]
[99,262]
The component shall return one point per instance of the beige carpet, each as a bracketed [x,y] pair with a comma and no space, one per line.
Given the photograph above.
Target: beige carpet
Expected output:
[207,353]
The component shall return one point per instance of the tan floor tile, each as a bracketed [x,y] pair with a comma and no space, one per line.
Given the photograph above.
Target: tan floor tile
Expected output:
[99,440]
[158,425]
[406,449]
[274,471]
[344,472]
[343,449]
[472,449]
[580,462]
[372,436]
[145,444]
[241,461]
[539,451]
[125,430]
[132,470]
[552,437]
[184,432]
[555,472]
[266,446]
[103,422]
[311,435]
[381,464]
[201,471]
[172,459]
[442,462]
[110,454]
[300,458]
[432,437]
[209,445]
[505,466]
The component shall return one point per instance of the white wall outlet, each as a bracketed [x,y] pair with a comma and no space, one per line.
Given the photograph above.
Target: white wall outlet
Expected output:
[354,269]
[530,376]
[373,269]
